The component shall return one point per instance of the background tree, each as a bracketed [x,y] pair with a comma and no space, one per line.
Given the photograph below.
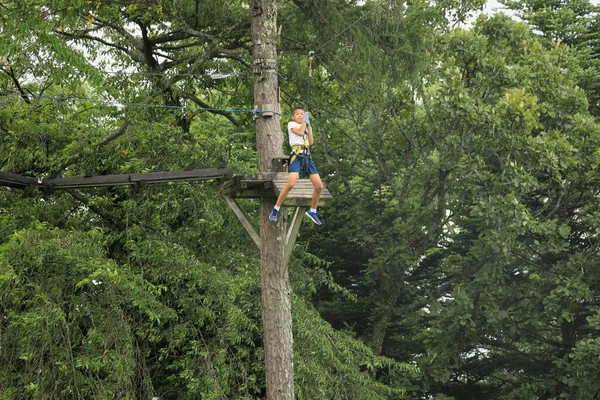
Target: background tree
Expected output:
[574,23]
[501,294]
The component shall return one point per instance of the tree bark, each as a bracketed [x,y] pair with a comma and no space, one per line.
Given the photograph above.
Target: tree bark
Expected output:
[276,308]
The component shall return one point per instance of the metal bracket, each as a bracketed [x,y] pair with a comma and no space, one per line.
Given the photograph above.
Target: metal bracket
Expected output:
[261,66]
[266,111]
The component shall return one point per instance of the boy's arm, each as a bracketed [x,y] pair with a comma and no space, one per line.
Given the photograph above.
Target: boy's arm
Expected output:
[300,130]
[309,134]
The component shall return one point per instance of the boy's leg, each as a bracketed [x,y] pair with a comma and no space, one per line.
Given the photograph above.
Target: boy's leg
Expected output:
[291,181]
[316,181]
[293,176]
[312,212]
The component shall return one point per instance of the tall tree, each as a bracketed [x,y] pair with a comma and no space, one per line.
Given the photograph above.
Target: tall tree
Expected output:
[572,22]
[276,307]
[486,199]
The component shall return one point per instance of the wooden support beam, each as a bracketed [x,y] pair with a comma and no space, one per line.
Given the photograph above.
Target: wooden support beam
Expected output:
[17,181]
[132,179]
[243,217]
[291,237]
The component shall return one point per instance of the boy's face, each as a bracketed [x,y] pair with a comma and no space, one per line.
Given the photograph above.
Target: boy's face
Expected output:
[298,115]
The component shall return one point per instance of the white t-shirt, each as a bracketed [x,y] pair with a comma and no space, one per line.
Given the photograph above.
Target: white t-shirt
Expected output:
[295,140]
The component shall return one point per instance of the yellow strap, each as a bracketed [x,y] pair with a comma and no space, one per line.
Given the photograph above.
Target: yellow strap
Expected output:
[296,150]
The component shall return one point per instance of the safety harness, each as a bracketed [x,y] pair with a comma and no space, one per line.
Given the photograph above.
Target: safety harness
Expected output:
[304,153]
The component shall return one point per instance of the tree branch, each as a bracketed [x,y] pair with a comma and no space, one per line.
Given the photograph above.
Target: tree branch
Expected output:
[116,223]
[11,73]
[204,105]
[112,136]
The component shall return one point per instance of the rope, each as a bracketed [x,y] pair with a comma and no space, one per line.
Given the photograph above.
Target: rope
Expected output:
[125,104]
[311,56]
[214,75]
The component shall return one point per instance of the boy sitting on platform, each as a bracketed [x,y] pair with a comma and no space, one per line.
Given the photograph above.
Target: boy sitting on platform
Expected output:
[301,137]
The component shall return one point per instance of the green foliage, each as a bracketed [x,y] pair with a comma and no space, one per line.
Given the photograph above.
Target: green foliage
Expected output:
[574,23]
[520,280]
[56,337]
[153,291]
[471,221]
[335,364]
[459,257]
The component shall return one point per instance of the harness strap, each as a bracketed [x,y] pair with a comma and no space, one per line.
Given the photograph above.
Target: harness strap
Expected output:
[299,149]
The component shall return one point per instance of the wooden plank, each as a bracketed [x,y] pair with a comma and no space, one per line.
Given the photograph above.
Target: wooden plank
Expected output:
[131,179]
[248,188]
[17,181]
[297,202]
[272,176]
[301,194]
[249,194]
[91,181]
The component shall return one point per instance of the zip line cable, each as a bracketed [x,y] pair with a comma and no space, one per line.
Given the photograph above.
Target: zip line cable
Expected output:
[311,55]
[350,26]
[333,122]
[330,71]
[126,104]
[214,75]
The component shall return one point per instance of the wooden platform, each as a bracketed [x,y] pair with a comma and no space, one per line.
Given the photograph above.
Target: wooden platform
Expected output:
[301,195]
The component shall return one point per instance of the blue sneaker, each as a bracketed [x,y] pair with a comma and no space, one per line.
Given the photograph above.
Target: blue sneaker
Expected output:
[313,216]
[274,214]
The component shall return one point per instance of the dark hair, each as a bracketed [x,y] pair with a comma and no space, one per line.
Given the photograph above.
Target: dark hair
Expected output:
[297,108]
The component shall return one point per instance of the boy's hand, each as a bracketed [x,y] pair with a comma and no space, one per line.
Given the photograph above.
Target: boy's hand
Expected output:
[306,119]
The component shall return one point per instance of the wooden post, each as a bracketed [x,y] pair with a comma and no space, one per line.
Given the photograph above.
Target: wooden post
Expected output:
[276,307]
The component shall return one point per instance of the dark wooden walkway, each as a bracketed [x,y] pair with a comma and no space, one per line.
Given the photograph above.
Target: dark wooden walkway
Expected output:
[22,182]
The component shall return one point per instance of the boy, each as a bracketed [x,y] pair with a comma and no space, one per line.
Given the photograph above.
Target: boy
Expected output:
[300,136]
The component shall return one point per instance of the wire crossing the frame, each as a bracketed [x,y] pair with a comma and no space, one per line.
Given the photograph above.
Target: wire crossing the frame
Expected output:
[127,104]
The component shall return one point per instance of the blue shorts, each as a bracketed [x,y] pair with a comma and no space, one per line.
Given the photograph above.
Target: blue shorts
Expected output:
[299,161]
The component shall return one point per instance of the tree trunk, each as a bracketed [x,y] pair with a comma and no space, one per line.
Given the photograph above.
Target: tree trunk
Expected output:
[277,317]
